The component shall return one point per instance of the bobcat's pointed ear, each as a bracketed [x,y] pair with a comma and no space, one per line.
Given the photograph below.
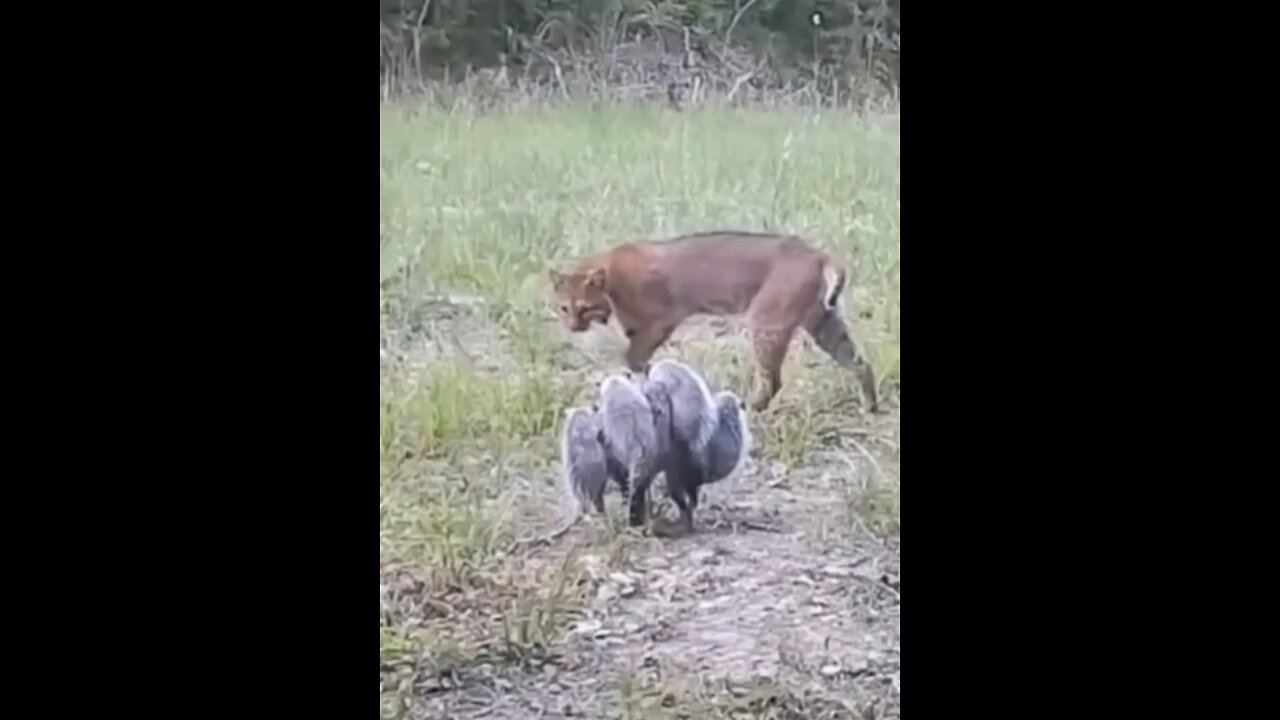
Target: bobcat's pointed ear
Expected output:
[556,277]
[595,278]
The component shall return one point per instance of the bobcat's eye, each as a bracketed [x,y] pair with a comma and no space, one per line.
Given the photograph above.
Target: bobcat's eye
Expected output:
[564,309]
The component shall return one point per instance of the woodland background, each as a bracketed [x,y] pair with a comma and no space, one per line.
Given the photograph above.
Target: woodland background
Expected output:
[832,51]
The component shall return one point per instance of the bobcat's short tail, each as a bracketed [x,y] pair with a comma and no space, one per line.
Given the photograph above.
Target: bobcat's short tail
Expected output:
[833,278]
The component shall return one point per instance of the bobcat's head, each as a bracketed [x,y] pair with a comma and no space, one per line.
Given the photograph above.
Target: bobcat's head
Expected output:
[580,298]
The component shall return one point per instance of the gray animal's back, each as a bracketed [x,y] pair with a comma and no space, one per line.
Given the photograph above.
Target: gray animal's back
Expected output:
[693,414]
[628,423]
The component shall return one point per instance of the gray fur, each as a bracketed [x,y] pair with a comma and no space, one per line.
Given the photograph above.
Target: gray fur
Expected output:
[618,439]
[724,456]
[731,444]
[629,432]
[708,438]
[667,423]
[633,445]
[584,462]
[693,409]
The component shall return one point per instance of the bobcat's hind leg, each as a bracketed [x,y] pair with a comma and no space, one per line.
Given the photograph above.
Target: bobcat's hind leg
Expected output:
[828,331]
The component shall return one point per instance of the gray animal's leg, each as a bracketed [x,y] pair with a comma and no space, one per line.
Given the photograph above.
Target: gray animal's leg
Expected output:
[639,497]
[684,477]
[619,475]
[676,491]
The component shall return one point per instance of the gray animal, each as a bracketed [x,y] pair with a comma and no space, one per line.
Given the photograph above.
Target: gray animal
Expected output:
[667,422]
[724,456]
[629,429]
[693,409]
[730,445]
[623,438]
[582,456]
[709,439]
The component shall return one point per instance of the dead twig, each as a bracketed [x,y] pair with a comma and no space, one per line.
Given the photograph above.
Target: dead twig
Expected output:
[527,544]
[868,456]
[728,34]
[750,525]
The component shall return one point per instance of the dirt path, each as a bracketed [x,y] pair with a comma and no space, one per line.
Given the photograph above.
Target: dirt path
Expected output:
[777,607]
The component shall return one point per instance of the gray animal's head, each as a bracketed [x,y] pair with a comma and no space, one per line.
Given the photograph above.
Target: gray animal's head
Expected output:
[732,411]
[731,407]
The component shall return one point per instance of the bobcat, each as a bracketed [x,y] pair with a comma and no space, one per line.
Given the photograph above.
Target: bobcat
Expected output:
[778,281]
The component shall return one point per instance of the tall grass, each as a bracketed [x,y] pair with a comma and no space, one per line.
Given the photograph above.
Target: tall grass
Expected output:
[484,202]
[481,205]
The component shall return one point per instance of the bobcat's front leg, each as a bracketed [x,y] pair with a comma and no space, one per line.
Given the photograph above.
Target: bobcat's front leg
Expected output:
[644,341]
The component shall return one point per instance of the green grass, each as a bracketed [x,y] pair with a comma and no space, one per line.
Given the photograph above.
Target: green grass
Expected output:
[482,205]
